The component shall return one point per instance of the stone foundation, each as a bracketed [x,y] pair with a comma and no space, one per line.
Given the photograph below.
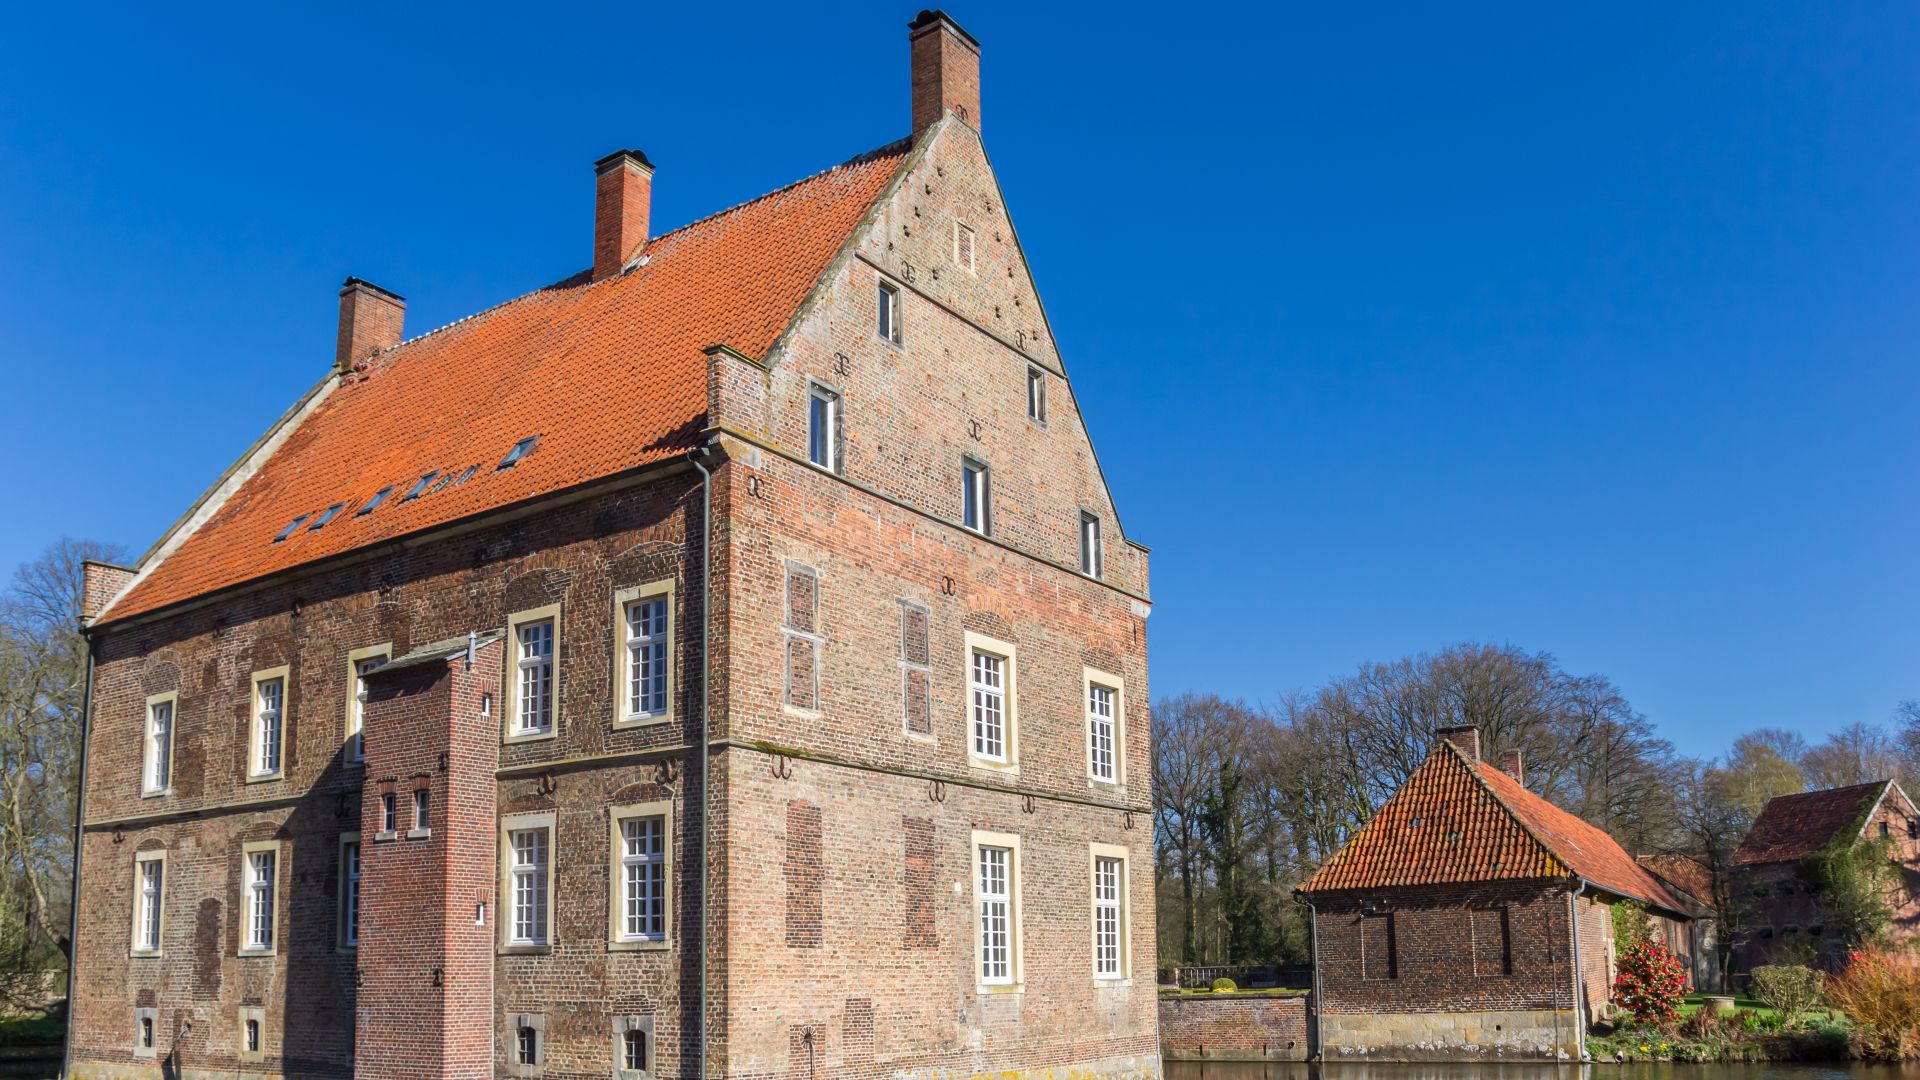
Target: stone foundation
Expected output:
[1516,1035]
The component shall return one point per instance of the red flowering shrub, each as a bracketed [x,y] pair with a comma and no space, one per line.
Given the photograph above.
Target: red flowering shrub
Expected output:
[1651,984]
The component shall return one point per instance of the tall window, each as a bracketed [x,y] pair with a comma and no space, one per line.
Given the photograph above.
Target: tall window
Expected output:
[823,428]
[1092,560]
[421,799]
[350,893]
[1036,395]
[916,668]
[888,323]
[989,694]
[357,704]
[151,870]
[996,915]
[803,637]
[976,492]
[647,657]
[528,872]
[389,813]
[1100,727]
[1108,875]
[158,774]
[534,715]
[643,870]
[269,709]
[262,878]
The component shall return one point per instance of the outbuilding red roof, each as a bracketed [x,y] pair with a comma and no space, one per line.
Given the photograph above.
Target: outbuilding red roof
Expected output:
[606,376]
[1791,827]
[1457,820]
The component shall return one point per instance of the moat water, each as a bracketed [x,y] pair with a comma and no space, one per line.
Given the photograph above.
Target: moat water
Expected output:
[1289,1070]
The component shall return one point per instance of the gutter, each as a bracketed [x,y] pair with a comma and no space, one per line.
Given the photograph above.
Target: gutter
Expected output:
[79,836]
[1579,983]
[706,753]
[1313,994]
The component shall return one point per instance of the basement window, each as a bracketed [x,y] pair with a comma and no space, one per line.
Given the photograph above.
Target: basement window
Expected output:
[520,449]
[326,515]
[888,321]
[419,486]
[378,498]
[291,526]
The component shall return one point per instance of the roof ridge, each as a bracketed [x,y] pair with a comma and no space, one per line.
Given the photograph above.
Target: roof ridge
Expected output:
[1474,772]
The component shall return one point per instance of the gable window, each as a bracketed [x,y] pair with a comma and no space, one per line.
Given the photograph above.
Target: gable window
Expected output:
[963,246]
[269,723]
[156,774]
[1092,557]
[150,871]
[990,701]
[1036,395]
[527,867]
[1102,728]
[643,620]
[641,904]
[350,891]
[916,669]
[1110,931]
[260,902]
[976,493]
[888,322]
[803,638]
[531,681]
[996,882]
[823,428]
[361,663]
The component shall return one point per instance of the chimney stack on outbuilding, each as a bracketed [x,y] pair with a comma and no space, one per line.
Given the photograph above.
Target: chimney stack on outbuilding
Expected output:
[1464,736]
[370,320]
[1514,765]
[622,198]
[946,70]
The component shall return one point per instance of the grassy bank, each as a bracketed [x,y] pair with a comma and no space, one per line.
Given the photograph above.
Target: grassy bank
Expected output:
[1751,1032]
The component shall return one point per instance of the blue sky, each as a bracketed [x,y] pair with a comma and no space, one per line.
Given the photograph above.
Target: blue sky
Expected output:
[1396,326]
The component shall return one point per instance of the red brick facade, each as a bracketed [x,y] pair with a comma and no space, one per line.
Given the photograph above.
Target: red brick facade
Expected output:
[1233,1027]
[840,873]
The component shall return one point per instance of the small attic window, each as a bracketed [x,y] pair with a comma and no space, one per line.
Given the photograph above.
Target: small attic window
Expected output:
[326,515]
[520,449]
[445,479]
[378,498]
[419,486]
[291,526]
[468,475]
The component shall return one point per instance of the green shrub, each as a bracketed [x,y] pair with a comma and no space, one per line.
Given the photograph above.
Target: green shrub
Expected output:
[1224,986]
[1789,989]
[1880,992]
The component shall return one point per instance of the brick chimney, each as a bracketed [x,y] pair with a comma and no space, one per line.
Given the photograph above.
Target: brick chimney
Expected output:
[1464,736]
[1514,765]
[623,192]
[100,582]
[946,70]
[370,319]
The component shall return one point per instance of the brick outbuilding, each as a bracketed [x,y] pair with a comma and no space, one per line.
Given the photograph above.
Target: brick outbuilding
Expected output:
[1471,919]
[724,662]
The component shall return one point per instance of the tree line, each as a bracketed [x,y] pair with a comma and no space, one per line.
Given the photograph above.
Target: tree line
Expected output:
[1249,800]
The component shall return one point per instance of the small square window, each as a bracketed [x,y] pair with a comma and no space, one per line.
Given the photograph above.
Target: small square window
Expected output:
[823,428]
[888,319]
[1036,395]
[976,492]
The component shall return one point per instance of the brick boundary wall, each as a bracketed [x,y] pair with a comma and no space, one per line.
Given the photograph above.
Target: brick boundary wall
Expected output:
[1233,1027]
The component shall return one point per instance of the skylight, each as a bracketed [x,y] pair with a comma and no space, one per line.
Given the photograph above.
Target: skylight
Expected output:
[326,515]
[419,486]
[520,449]
[378,498]
[468,475]
[291,526]
[445,479]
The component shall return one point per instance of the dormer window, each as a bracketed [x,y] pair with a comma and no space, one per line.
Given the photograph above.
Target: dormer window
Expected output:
[887,324]
[976,493]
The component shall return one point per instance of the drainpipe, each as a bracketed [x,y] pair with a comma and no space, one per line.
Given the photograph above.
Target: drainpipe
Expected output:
[1313,990]
[1579,984]
[706,667]
[79,817]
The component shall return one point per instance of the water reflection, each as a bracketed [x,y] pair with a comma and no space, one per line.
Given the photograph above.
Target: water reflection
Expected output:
[1293,1070]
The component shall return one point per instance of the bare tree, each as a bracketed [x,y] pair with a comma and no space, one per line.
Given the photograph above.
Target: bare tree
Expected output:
[1856,754]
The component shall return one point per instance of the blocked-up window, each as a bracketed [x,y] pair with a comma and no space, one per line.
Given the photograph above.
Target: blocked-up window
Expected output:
[1492,940]
[803,637]
[1378,958]
[916,668]
[805,874]
[921,884]
[963,246]
[350,893]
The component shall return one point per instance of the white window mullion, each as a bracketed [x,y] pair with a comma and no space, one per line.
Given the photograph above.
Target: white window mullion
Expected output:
[996,930]
[989,706]
[529,873]
[1106,917]
[1100,731]
[536,679]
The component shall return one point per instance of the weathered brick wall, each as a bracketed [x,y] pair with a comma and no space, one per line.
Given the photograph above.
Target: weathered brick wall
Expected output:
[1233,1028]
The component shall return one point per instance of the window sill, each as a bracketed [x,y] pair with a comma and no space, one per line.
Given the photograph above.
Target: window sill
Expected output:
[1001,988]
[639,946]
[529,736]
[160,794]
[526,950]
[256,953]
[145,954]
[642,721]
[927,737]
[265,778]
[1011,768]
[385,835]
[804,714]
[419,834]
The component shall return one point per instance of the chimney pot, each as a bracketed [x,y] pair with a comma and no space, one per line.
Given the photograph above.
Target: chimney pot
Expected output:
[1514,765]
[370,320]
[1464,736]
[946,70]
[623,194]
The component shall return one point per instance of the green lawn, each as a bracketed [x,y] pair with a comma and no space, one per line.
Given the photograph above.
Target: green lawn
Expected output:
[33,1031]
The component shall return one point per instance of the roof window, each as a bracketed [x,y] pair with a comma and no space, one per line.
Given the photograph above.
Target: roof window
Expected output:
[468,475]
[520,449]
[419,486]
[378,498]
[291,526]
[326,515]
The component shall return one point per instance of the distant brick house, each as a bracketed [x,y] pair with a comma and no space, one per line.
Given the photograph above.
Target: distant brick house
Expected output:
[1784,919]
[1471,919]
[1691,880]
[726,661]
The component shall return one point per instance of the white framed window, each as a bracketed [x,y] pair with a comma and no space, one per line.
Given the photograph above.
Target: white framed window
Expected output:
[359,663]
[996,894]
[823,427]
[268,740]
[348,932]
[643,667]
[260,897]
[802,638]
[422,801]
[149,903]
[976,495]
[992,739]
[1111,933]
[641,904]
[963,244]
[156,772]
[526,862]
[389,816]
[1036,394]
[1092,554]
[1103,696]
[887,306]
[533,680]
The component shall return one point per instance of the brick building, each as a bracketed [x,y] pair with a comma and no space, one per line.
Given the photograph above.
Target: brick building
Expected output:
[726,661]
[1471,919]
[1785,919]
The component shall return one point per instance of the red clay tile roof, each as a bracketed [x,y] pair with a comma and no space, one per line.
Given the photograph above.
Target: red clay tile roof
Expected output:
[610,376]
[1456,821]
[1791,827]
[1685,876]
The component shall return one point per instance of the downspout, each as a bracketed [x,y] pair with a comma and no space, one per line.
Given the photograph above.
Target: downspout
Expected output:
[706,667]
[1313,988]
[79,817]
[1579,983]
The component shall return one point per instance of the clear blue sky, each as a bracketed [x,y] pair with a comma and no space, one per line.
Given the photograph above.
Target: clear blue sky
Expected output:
[1396,326]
